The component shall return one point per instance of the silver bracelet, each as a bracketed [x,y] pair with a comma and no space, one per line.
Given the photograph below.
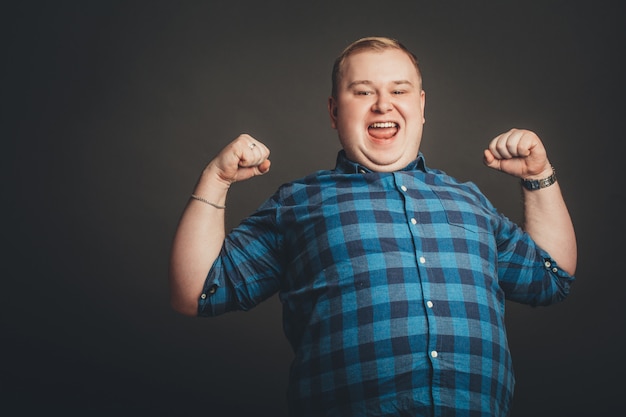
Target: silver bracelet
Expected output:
[195,197]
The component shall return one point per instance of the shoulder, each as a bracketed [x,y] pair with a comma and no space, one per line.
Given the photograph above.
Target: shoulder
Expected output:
[300,190]
[452,188]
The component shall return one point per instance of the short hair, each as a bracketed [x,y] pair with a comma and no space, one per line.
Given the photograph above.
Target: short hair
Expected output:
[371,43]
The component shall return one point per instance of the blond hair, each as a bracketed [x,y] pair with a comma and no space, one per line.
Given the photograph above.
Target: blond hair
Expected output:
[371,43]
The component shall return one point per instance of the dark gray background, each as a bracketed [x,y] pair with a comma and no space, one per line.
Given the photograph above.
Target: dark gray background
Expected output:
[111,109]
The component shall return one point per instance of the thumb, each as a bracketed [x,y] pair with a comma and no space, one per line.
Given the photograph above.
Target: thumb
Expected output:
[247,172]
[264,167]
[490,160]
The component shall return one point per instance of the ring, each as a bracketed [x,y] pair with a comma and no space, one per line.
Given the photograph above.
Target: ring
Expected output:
[252,145]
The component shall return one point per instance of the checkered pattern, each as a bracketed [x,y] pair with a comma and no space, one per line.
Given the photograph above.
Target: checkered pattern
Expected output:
[393,287]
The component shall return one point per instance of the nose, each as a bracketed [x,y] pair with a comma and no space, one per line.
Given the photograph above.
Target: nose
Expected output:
[383,103]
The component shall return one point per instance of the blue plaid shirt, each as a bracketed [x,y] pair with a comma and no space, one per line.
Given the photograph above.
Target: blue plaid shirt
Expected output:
[393,287]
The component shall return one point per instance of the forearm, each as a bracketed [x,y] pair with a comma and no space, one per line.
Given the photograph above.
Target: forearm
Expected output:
[197,243]
[521,153]
[200,233]
[547,221]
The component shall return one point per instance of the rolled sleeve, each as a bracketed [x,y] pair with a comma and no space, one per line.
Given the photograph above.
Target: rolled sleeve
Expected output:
[216,297]
[248,268]
[533,277]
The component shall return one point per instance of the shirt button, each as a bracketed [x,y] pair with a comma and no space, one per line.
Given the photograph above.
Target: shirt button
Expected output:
[422,260]
[362,171]
[413,220]
[203,296]
[212,289]
[555,270]
[429,304]
[434,354]
[403,188]
[547,264]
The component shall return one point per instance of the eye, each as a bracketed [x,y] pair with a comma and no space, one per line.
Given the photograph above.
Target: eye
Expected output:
[398,92]
[363,93]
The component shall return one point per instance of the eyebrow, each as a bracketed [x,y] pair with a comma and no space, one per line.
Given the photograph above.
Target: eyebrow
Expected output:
[368,82]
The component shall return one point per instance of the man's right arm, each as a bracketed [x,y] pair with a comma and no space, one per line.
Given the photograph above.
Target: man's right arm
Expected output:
[200,232]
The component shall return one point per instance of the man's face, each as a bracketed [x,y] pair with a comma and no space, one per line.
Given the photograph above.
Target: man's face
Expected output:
[379,110]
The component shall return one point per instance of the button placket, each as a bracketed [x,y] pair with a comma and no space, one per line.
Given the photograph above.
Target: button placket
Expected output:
[414,224]
[210,291]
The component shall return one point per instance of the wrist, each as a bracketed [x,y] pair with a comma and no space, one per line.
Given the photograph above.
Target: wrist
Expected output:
[546,179]
[210,188]
[212,177]
[548,169]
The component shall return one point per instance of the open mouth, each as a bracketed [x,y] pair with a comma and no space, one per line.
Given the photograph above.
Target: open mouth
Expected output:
[383,130]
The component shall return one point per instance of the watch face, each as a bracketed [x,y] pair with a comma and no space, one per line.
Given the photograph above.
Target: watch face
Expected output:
[530,184]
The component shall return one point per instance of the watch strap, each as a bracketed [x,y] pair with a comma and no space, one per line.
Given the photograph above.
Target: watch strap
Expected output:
[533,185]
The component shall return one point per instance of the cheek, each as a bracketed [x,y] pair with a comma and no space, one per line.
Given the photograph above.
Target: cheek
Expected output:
[414,116]
[349,121]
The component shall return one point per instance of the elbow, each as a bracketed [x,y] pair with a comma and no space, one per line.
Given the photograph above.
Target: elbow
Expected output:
[570,269]
[183,294]
[183,300]
[569,263]
[184,307]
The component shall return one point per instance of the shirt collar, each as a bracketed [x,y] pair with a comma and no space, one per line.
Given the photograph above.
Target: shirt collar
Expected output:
[346,166]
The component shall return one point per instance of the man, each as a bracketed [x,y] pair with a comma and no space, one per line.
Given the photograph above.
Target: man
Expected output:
[393,275]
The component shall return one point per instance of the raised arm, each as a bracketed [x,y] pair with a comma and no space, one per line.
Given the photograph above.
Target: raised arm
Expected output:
[522,154]
[200,233]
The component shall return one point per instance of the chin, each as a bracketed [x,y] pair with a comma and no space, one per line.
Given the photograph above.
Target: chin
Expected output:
[384,165]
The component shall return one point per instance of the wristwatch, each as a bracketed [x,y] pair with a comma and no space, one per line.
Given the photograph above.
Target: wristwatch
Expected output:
[542,183]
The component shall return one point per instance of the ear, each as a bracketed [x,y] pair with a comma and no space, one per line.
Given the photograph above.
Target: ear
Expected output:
[332,112]
[423,100]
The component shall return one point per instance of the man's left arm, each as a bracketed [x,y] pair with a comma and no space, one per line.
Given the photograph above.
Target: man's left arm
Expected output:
[546,219]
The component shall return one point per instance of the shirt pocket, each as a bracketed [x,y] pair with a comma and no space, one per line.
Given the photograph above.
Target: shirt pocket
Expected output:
[465,213]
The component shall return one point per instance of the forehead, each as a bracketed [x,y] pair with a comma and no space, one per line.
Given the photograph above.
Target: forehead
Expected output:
[379,66]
